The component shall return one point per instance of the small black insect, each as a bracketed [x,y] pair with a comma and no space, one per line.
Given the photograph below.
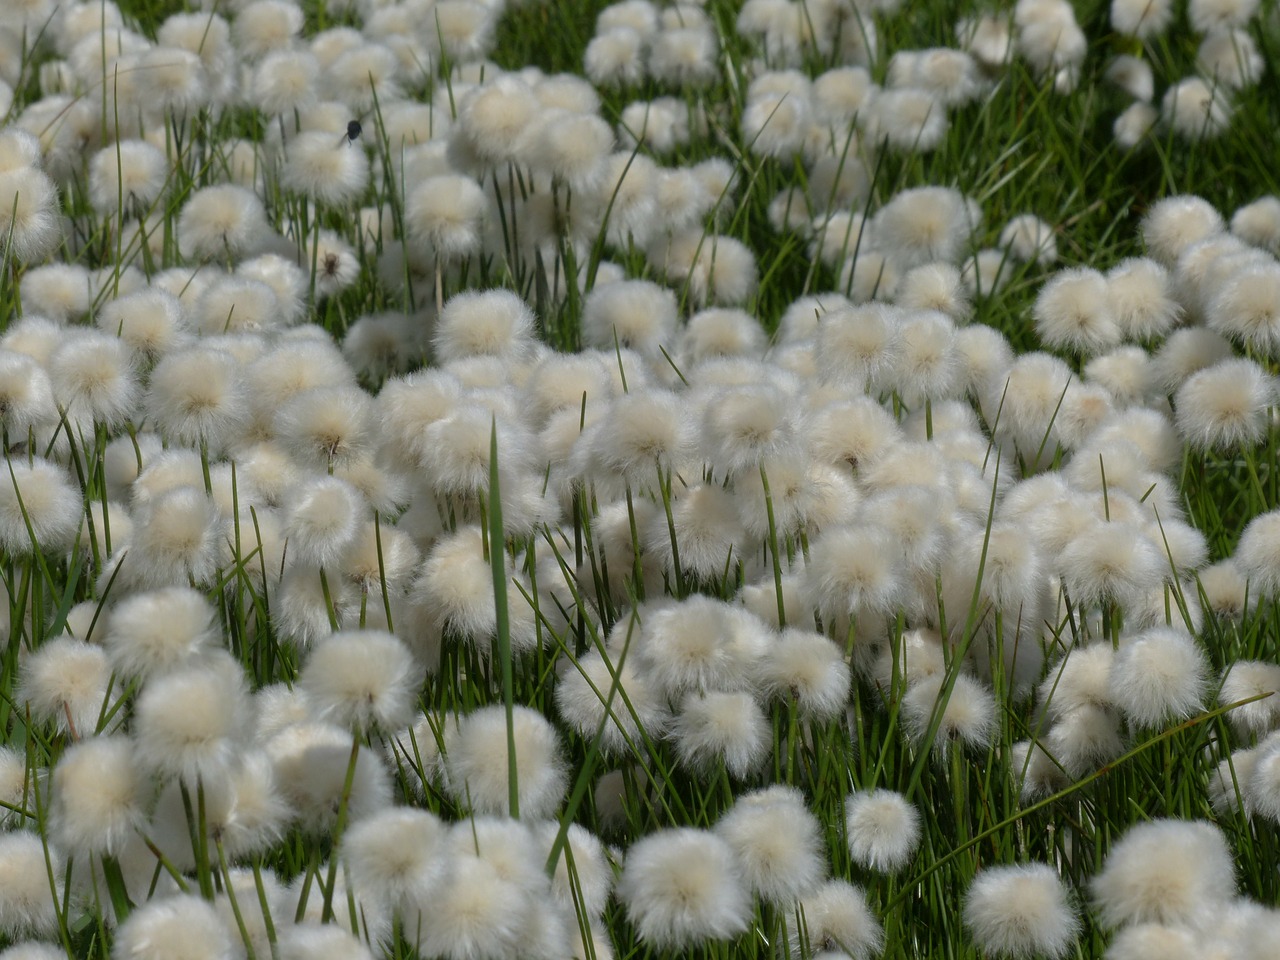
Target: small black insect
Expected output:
[353,132]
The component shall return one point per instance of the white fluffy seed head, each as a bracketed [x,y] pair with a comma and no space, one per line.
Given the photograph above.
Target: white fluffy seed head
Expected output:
[221,222]
[1258,780]
[455,588]
[284,81]
[266,25]
[718,728]
[492,120]
[634,313]
[928,365]
[680,887]
[64,683]
[967,713]
[570,147]
[193,722]
[175,541]
[1226,406]
[26,907]
[1240,302]
[1165,871]
[775,124]
[29,214]
[176,79]
[363,75]
[1226,590]
[1110,561]
[327,426]
[1074,312]
[99,796]
[1141,300]
[627,189]
[150,321]
[935,286]
[1133,76]
[196,397]
[326,170]
[1196,110]
[1125,374]
[713,268]
[473,911]
[615,58]
[40,510]
[1029,239]
[1230,58]
[93,379]
[236,304]
[445,214]
[558,382]
[926,224]
[491,323]
[777,842]
[861,345]
[583,689]
[907,119]
[1243,680]
[361,679]
[1019,911]
[1154,941]
[1186,351]
[882,829]
[129,175]
[476,763]
[700,644]
[456,453]
[1143,19]
[1175,223]
[311,763]
[744,426]
[182,925]
[807,668]
[721,333]
[15,785]
[644,431]
[395,854]
[685,55]
[152,633]
[1082,678]
[851,433]
[1208,15]
[287,280]
[660,125]
[18,149]
[837,919]
[854,571]
[1258,223]
[1257,554]
[26,395]
[322,521]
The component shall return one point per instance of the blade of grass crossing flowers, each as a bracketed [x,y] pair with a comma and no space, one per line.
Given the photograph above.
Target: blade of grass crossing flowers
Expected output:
[953,667]
[1107,768]
[502,638]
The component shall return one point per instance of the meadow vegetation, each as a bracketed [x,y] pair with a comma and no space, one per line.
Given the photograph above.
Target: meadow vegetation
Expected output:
[547,478]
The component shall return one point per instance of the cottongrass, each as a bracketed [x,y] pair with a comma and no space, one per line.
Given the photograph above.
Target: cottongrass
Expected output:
[1020,911]
[883,829]
[680,889]
[1167,871]
[797,630]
